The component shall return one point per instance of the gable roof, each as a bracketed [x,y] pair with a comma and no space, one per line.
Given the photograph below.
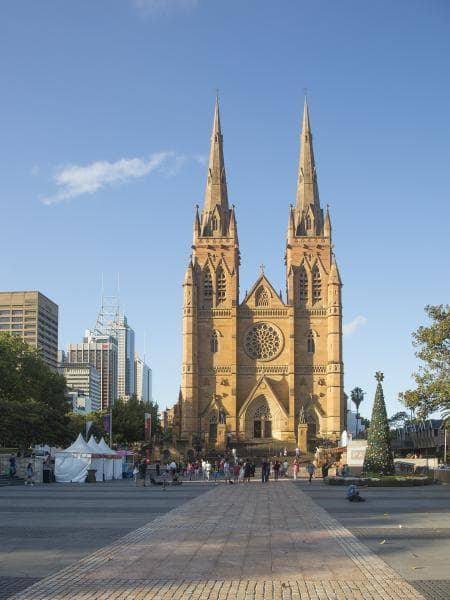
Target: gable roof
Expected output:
[262,280]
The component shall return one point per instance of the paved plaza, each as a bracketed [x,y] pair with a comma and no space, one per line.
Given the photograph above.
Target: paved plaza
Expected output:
[250,541]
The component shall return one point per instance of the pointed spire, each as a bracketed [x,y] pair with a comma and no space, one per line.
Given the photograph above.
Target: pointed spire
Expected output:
[327,224]
[216,196]
[334,276]
[307,189]
[188,279]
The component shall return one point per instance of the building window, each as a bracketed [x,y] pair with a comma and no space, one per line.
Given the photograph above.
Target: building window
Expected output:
[261,297]
[207,284]
[303,285]
[221,286]
[317,285]
[311,342]
[308,222]
[214,342]
[214,223]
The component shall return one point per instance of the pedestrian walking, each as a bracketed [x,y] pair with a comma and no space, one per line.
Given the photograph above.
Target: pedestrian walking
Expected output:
[297,452]
[30,473]
[241,473]
[226,471]
[285,469]
[12,465]
[247,470]
[236,471]
[325,469]
[136,473]
[208,470]
[265,468]
[276,470]
[143,472]
[311,469]
[296,468]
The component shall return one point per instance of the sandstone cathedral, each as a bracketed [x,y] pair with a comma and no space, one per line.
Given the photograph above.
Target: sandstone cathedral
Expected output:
[262,369]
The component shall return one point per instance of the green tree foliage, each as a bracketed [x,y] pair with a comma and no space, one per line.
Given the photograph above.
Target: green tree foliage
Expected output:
[399,419]
[77,424]
[379,458]
[433,377]
[128,420]
[33,405]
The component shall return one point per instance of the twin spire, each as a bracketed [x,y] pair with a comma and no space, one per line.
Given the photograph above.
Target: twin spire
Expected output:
[215,215]
[307,216]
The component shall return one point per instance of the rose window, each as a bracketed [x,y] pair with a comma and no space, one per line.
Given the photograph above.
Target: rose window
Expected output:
[263,341]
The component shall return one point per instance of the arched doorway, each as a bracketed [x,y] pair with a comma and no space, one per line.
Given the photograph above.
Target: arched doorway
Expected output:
[262,421]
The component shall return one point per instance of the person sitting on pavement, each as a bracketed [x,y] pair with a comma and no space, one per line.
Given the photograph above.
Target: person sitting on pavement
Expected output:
[353,494]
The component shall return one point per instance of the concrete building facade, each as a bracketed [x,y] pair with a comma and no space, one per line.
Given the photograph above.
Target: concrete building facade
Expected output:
[265,365]
[100,351]
[143,377]
[126,384]
[33,317]
[85,379]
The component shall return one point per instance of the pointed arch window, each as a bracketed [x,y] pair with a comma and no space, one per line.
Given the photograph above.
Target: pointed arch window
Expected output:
[308,223]
[262,297]
[303,285]
[207,284]
[221,286]
[317,285]
[214,223]
[311,342]
[214,342]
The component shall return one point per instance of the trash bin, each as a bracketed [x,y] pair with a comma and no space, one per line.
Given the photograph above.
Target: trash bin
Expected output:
[91,476]
[46,476]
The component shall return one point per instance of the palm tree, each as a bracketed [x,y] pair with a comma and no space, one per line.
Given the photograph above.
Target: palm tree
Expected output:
[357,396]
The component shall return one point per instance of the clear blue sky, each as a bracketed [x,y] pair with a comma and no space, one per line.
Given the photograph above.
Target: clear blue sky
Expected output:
[106,111]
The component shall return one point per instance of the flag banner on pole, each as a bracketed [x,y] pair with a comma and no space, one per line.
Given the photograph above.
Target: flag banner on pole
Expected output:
[88,426]
[107,423]
[148,427]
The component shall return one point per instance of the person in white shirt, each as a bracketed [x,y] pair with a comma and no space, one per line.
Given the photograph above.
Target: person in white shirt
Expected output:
[208,470]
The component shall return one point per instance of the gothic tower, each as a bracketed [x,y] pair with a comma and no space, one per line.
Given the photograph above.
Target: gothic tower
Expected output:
[255,366]
[314,293]
[211,292]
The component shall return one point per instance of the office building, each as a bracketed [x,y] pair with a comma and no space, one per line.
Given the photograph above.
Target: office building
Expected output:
[125,357]
[83,379]
[100,351]
[143,375]
[33,317]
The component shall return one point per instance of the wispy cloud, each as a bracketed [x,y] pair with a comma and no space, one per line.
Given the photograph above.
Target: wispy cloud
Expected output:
[354,325]
[73,181]
[151,8]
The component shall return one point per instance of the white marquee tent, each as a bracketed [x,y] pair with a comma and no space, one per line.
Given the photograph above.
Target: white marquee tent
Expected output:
[99,463]
[72,464]
[116,459]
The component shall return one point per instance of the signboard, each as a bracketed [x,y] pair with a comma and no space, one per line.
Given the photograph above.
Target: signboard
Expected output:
[147,427]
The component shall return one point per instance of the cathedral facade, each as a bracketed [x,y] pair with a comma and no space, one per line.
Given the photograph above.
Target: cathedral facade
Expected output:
[260,367]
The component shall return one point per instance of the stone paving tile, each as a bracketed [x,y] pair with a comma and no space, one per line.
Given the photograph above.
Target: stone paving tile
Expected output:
[235,542]
[12,585]
[433,589]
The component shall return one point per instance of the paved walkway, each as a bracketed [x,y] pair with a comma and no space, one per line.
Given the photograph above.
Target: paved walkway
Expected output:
[242,542]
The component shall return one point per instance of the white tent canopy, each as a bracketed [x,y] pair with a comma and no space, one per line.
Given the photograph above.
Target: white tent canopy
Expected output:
[117,459]
[72,464]
[97,462]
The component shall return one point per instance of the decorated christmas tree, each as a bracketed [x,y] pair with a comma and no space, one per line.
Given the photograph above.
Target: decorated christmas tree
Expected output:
[379,454]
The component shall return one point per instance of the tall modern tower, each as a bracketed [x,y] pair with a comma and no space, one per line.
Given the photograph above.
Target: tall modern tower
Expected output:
[126,385]
[143,376]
